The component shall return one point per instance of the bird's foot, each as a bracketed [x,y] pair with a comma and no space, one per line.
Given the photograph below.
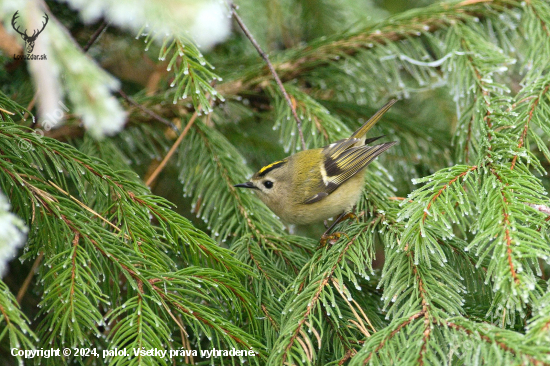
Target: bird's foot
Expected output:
[349,216]
[331,238]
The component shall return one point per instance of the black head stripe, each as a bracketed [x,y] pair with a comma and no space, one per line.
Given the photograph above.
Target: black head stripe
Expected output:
[266,169]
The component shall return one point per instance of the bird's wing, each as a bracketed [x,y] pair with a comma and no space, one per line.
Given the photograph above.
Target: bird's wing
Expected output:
[337,148]
[338,168]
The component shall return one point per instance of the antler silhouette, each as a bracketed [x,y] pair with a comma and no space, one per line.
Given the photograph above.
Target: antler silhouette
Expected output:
[43,26]
[15,16]
[29,40]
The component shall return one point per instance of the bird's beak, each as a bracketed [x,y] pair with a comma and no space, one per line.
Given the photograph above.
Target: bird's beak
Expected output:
[245,185]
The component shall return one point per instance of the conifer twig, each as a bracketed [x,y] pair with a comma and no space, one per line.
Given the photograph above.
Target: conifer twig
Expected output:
[84,206]
[526,127]
[27,282]
[147,111]
[404,324]
[99,31]
[272,69]
[172,150]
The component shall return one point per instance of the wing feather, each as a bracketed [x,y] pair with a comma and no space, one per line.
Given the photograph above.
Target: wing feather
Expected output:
[336,148]
[344,165]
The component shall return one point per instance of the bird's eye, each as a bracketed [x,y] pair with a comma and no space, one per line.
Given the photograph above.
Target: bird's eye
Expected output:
[268,184]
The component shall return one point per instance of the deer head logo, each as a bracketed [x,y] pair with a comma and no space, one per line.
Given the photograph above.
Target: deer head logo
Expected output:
[29,40]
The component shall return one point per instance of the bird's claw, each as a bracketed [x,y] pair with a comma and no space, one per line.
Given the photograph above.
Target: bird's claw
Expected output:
[331,238]
[349,216]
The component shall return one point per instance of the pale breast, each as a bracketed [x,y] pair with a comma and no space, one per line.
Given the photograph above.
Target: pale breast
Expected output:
[342,199]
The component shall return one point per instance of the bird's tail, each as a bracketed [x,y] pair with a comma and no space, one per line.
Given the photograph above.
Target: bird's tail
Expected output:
[362,131]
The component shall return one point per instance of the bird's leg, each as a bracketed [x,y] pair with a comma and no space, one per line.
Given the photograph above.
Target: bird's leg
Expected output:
[352,215]
[348,216]
[335,236]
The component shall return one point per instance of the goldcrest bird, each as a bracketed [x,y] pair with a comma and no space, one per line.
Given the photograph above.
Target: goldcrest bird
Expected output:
[314,185]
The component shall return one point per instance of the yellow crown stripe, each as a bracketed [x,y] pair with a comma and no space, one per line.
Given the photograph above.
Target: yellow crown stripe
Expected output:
[271,166]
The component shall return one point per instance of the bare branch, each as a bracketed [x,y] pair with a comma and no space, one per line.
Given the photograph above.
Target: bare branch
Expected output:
[99,31]
[147,111]
[159,168]
[273,72]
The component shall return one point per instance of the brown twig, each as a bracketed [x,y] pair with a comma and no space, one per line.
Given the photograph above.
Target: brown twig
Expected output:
[23,290]
[87,208]
[359,323]
[99,31]
[147,111]
[526,127]
[172,150]
[506,225]
[272,69]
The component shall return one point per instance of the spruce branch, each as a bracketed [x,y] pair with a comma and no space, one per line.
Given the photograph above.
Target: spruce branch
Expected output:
[193,75]
[25,286]
[314,292]
[111,240]
[171,152]
[507,226]
[147,111]
[399,327]
[458,340]
[445,186]
[95,36]
[494,340]
[425,310]
[523,136]
[426,214]
[516,244]
[290,103]
[321,53]
[15,325]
